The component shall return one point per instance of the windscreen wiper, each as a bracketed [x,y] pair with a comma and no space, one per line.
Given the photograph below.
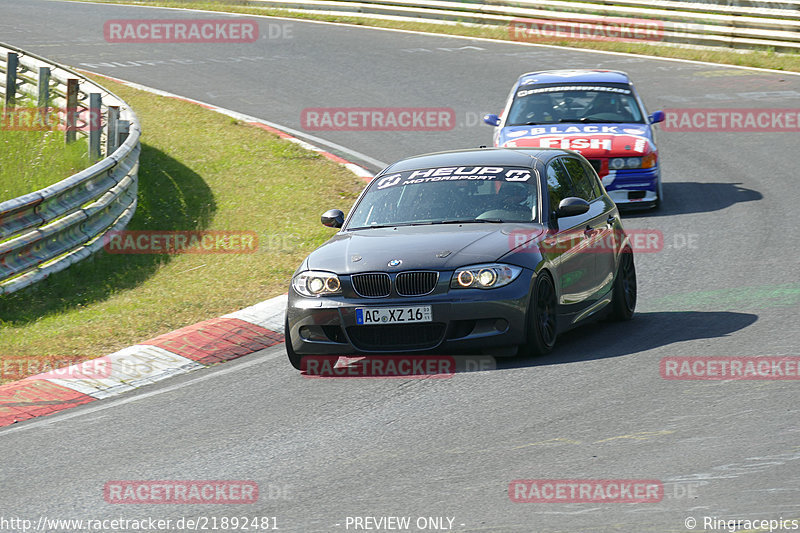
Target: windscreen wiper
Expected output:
[470,220]
[375,226]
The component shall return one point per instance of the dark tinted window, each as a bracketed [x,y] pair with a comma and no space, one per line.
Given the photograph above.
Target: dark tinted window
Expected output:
[448,194]
[558,184]
[590,171]
[580,180]
[548,104]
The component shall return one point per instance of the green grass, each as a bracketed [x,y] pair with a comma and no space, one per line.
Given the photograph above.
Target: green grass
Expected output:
[32,160]
[751,58]
[199,170]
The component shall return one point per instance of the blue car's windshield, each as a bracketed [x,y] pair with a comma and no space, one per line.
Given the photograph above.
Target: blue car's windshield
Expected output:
[448,195]
[573,104]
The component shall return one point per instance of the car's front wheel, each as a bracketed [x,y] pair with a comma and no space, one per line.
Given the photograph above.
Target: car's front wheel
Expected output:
[294,358]
[623,301]
[542,318]
[659,196]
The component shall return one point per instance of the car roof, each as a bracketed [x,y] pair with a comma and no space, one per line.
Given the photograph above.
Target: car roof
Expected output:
[510,157]
[575,76]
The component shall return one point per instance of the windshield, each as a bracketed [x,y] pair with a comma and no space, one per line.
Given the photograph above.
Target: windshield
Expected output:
[575,103]
[447,196]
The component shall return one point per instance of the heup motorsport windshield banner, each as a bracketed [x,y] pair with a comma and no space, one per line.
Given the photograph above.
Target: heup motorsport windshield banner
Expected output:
[468,173]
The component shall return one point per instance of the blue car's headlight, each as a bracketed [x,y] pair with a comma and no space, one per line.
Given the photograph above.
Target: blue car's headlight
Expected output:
[484,276]
[316,283]
[619,163]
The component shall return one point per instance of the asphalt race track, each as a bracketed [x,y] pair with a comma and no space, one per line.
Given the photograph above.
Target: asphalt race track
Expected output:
[726,283]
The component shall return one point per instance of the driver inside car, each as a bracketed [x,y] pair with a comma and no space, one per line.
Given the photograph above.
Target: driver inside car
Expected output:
[514,199]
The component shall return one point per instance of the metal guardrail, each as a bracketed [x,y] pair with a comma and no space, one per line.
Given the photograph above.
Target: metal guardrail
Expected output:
[746,24]
[48,230]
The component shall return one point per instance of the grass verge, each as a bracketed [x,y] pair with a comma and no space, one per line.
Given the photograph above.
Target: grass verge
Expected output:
[199,170]
[33,160]
[750,58]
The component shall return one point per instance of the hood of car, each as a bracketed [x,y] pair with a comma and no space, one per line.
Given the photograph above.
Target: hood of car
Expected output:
[435,246]
[590,140]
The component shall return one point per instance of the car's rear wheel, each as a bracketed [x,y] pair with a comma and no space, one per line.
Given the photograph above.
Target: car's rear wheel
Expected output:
[623,301]
[294,358]
[542,317]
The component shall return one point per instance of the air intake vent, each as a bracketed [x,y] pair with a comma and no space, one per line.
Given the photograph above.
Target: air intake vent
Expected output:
[397,336]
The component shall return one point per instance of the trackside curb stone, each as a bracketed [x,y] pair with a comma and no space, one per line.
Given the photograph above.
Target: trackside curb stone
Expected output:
[190,348]
[197,346]
[184,350]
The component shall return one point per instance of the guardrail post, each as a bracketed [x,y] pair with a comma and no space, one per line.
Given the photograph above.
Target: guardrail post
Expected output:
[11,79]
[43,95]
[43,100]
[72,110]
[123,129]
[95,124]
[112,134]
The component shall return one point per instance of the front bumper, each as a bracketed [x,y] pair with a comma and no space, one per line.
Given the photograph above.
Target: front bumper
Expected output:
[463,320]
[634,186]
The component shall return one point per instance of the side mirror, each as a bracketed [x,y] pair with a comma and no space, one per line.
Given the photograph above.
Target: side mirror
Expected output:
[657,116]
[491,119]
[572,206]
[333,218]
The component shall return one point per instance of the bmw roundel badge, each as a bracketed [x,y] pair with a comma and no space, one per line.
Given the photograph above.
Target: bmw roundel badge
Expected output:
[395,262]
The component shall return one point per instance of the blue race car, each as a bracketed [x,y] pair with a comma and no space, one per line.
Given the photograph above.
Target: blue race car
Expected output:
[596,113]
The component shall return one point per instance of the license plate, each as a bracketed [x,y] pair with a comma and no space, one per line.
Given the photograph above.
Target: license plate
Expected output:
[393,315]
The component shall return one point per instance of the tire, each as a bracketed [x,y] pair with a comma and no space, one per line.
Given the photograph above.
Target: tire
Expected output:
[294,359]
[623,300]
[542,318]
[660,196]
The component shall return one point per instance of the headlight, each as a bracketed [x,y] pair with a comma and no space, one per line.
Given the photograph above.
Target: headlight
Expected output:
[619,163]
[484,276]
[315,283]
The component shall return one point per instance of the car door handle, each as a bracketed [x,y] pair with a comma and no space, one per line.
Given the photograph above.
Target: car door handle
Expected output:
[589,231]
[611,220]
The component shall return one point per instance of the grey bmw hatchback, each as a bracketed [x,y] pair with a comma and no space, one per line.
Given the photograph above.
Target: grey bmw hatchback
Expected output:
[494,250]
